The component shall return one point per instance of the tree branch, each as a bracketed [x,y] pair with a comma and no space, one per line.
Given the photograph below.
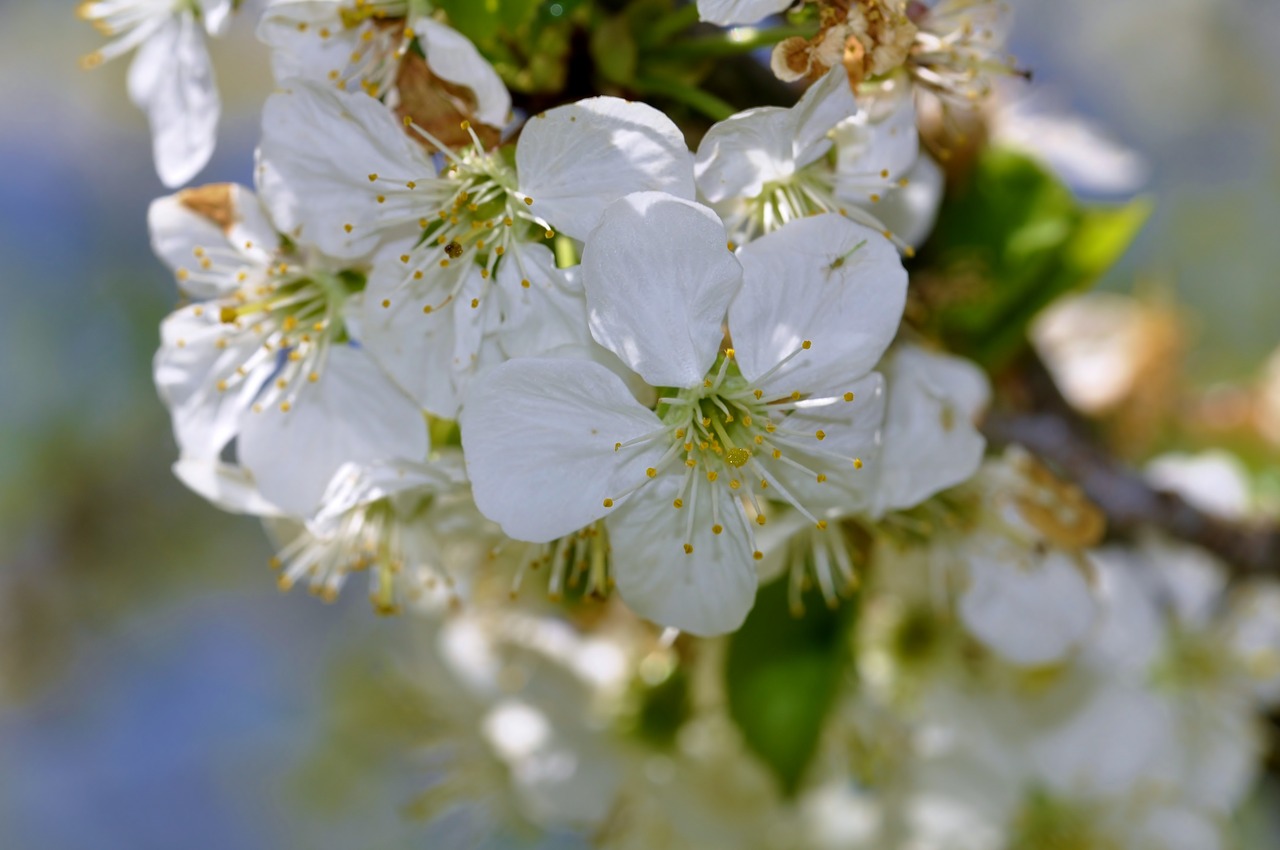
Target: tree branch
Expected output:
[1059,436]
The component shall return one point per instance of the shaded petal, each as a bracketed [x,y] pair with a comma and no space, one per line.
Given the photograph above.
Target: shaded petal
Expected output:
[1029,614]
[659,278]
[188,367]
[539,437]
[740,154]
[354,413]
[226,486]
[931,440]
[851,431]
[178,230]
[575,160]
[550,312]
[727,12]
[826,280]
[708,592]
[415,348]
[171,79]
[452,57]
[319,147]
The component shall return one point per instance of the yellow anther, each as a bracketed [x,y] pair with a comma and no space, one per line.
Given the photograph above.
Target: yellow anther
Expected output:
[822,525]
[688,548]
[475,302]
[617,446]
[427,308]
[820,434]
[712,475]
[759,394]
[734,484]
[857,463]
[525,283]
[417,275]
[758,555]
[528,201]
[821,478]
[444,263]
[608,503]
[678,503]
[777,454]
[848,396]
[373,178]
[651,472]
[222,386]
[691,463]
[285,407]
[465,125]
[382,199]
[807,344]
[227,315]
[728,353]
[411,185]
[760,520]
[348,227]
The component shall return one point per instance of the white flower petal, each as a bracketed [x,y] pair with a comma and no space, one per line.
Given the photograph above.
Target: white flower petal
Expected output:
[881,137]
[216,15]
[851,432]
[823,279]
[910,211]
[187,369]
[291,28]
[708,592]
[416,349]
[171,79]
[319,147]
[726,12]
[1028,613]
[930,440]
[179,231]
[550,312]
[740,154]
[226,486]
[353,413]
[452,57]
[575,160]
[659,278]
[539,437]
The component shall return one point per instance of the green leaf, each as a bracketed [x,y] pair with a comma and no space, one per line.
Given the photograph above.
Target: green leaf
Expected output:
[483,21]
[784,673]
[614,50]
[1010,243]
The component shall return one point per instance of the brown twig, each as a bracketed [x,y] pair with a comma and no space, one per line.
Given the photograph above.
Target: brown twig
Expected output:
[1049,428]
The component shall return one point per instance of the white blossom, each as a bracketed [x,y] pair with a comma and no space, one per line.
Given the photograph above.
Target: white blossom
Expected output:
[462,249]
[171,77]
[788,413]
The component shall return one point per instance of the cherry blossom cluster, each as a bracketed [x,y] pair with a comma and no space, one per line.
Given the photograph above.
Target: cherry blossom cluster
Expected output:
[461,349]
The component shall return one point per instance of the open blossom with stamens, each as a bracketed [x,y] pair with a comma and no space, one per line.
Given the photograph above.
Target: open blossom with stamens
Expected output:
[770,165]
[785,409]
[959,47]
[171,78]
[464,254]
[265,356]
[412,527]
[360,45]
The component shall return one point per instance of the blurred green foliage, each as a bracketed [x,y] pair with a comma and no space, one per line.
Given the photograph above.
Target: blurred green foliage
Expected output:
[1007,243]
[784,673]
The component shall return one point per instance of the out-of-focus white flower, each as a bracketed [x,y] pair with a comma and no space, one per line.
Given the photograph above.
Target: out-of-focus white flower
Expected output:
[1078,150]
[1102,348]
[359,44]
[770,418]
[770,165]
[463,258]
[264,357]
[727,12]
[959,48]
[931,441]
[171,78]
[1214,481]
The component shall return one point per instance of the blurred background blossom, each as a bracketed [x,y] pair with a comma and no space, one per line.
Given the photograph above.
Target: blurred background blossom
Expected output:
[155,689]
